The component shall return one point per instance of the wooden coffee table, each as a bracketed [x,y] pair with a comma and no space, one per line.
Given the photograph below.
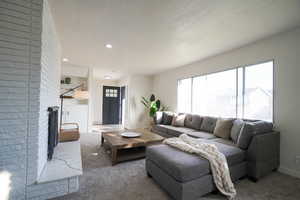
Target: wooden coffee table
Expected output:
[123,149]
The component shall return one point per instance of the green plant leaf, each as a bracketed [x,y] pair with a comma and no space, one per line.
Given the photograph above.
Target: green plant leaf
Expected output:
[152,111]
[152,97]
[145,101]
[153,104]
[146,105]
[164,108]
[158,104]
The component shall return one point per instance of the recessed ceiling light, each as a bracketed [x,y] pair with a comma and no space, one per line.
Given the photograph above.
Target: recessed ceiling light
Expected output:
[109,46]
[65,59]
[107,77]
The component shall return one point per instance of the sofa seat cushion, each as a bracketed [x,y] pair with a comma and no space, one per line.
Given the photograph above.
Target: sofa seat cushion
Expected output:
[184,166]
[233,154]
[180,165]
[176,131]
[201,134]
[224,141]
[161,128]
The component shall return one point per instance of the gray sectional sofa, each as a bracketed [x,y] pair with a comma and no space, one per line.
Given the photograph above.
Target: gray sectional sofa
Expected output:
[252,150]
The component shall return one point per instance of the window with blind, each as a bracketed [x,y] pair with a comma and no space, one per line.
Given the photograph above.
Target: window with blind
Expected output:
[243,92]
[184,95]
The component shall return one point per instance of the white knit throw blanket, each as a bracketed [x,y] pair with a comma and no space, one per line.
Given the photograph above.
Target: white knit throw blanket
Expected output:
[217,160]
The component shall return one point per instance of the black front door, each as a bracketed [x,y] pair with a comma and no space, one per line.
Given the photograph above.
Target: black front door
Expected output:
[111,105]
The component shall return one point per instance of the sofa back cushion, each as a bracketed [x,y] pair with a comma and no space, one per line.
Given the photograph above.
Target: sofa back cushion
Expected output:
[261,127]
[167,118]
[208,124]
[245,135]
[223,128]
[193,121]
[236,129]
[250,129]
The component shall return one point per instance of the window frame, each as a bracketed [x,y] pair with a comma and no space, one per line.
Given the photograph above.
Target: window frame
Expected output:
[178,80]
[243,67]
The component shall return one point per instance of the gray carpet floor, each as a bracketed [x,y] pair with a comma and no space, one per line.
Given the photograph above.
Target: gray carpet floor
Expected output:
[128,180]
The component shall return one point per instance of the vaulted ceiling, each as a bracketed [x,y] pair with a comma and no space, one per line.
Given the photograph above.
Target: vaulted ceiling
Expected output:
[149,36]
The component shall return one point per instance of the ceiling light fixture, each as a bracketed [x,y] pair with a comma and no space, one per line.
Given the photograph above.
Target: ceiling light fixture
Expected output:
[65,60]
[109,46]
[107,77]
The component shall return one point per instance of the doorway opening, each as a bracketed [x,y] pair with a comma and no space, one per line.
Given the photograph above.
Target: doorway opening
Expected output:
[113,107]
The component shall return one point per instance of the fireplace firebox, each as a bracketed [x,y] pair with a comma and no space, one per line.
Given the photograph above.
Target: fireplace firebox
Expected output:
[52,130]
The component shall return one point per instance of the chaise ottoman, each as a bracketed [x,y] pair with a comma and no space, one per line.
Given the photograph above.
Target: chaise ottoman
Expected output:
[187,176]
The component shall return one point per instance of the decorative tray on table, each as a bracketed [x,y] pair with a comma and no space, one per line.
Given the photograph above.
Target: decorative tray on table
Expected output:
[131,134]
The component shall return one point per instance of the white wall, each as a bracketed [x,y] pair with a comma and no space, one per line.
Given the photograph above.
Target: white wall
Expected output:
[125,82]
[95,88]
[91,103]
[97,98]
[136,115]
[74,70]
[284,49]
[29,60]
[74,110]
[50,80]
[20,42]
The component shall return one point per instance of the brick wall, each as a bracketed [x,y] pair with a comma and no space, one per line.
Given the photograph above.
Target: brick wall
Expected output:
[29,84]
[20,50]
[50,80]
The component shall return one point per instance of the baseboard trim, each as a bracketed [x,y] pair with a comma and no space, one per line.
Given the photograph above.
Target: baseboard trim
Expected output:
[290,172]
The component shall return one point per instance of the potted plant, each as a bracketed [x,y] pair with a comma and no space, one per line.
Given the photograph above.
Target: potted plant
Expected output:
[153,105]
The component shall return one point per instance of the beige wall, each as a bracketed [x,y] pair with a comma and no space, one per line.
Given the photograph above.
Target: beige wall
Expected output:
[97,98]
[285,50]
[136,116]
[137,86]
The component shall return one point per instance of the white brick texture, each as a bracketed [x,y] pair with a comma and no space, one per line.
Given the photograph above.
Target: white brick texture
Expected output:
[49,82]
[29,84]
[20,37]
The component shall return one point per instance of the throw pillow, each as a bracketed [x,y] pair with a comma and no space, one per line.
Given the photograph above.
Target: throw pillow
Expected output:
[174,118]
[167,118]
[208,124]
[236,129]
[223,128]
[178,120]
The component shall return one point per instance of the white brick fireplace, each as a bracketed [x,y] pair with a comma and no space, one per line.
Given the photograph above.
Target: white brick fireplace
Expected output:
[30,65]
